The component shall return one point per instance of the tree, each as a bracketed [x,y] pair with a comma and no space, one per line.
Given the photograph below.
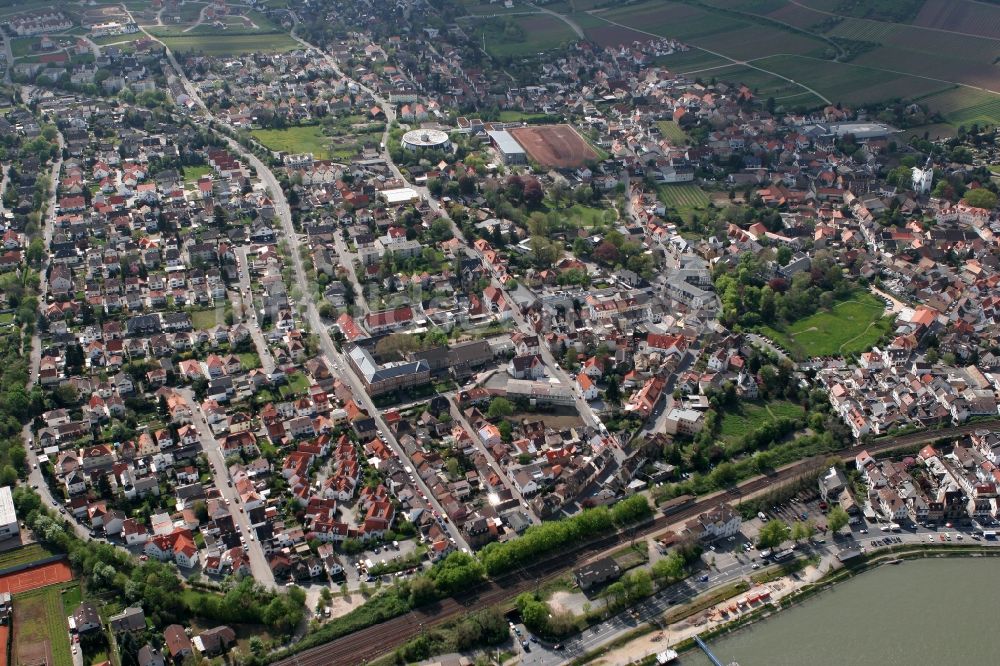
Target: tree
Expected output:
[613,393]
[772,534]
[201,511]
[802,530]
[638,585]
[668,569]
[837,518]
[500,407]
[616,594]
[981,198]
[570,358]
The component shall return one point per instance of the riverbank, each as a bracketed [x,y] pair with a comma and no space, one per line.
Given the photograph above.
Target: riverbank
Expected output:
[787,592]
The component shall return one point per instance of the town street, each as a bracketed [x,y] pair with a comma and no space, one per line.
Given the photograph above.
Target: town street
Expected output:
[210,445]
[457,414]
[250,313]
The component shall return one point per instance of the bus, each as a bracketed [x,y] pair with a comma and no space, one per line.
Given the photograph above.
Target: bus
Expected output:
[990,535]
[676,504]
[784,555]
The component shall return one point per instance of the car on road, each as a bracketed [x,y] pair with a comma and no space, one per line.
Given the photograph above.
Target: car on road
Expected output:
[704,578]
[558,646]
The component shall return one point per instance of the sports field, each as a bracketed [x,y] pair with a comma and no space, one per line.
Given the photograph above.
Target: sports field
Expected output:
[849,327]
[29,579]
[554,146]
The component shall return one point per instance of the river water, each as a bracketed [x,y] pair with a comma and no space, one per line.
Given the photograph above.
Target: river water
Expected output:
[920,613]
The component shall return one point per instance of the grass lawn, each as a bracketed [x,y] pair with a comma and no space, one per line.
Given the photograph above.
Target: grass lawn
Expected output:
[30,553]
[299,139]
[229,45]
[297,383]
[671,130]
[193,173]
[205,319]
[848,327]
[40,621]
[752,415]
[249,360]
[683,197]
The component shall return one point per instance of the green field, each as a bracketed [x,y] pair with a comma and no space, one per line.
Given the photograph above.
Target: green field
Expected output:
[509,116]
[30,553]
[671,130]
[202,320]
[540,33]
[39,618]
[849,327]
[752,415]
[683,196]
[231,45]
[295,140]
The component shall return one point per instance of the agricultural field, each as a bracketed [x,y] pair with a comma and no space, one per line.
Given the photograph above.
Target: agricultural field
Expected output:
[294,140]
[671,130]
[40,629]
[896,11]
[964,106]
[848,327]
[231,45]
[523,35]
[896,65]
[683,196]
[764,85]
[848,82]
[750,416]
[692,61]
[975,18]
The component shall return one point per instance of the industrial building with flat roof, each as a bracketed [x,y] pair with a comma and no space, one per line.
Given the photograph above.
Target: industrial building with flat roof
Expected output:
[507,147]
[8,517]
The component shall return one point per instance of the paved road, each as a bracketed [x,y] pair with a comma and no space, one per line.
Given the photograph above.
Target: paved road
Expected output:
[35,477]
[250,320]
[210,445]
[761,341]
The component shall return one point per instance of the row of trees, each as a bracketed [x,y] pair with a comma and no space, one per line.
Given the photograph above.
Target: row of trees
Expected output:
[542,540]
[155,585]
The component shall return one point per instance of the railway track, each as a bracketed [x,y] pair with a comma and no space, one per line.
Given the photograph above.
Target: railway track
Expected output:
[366,644]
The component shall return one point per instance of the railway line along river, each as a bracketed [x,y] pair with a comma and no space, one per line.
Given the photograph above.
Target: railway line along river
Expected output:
[918,613]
